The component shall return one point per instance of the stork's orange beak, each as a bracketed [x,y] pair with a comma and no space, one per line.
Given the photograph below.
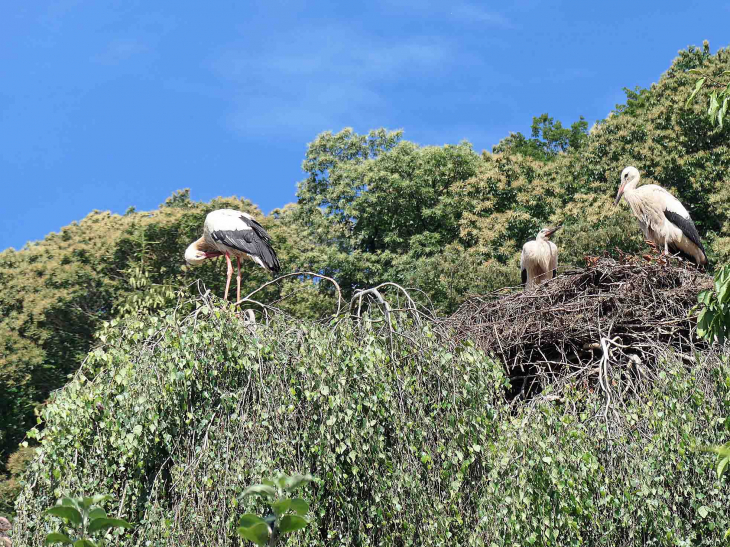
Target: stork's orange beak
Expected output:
[553,229]
[619,194]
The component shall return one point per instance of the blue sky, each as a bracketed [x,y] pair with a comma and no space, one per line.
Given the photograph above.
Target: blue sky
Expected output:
[109,104]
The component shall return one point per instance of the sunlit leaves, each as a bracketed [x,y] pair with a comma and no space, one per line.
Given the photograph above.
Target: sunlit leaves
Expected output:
[291,523]
[71,514]
[86,517]
[713,321]
[275,491]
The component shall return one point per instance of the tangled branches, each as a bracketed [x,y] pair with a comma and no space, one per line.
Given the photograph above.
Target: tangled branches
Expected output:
[612,315]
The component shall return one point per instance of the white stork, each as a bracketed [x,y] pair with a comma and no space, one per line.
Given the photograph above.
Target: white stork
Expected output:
[229,233]
[662,218]
[539,258]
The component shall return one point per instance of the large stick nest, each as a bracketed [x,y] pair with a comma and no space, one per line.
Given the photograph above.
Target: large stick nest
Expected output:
[612,313]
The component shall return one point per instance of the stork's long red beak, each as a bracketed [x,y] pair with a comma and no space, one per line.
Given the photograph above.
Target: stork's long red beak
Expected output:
[553,230]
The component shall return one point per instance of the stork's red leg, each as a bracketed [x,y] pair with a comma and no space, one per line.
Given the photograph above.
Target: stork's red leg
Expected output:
[230,274]
[238,279]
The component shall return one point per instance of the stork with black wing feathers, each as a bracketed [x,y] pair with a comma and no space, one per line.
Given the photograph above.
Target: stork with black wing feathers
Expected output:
[228,232]
[662,218]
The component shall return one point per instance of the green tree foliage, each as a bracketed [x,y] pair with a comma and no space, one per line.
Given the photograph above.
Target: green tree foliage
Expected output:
[382,208]
[374,207]
[10,487]
[413,443]
[549,138]
[54,294]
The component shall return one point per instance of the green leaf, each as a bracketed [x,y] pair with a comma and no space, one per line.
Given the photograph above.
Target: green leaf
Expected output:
[300,506]
[84,543]
[714,105]
[100,498]
[263,490]
[281,506]
[295,481]
[723,111]
[722,466]
[71,502]
[71,514]
[258,533]
[86,503]
[57,537]
[698,86]
[248,520]
[722,450]
[291,523]
[703,511]
[106,523]
[97,513]
[723,292]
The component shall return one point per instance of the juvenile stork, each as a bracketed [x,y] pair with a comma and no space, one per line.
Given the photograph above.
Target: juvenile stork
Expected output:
[227,232]
[662,218]
[539,259]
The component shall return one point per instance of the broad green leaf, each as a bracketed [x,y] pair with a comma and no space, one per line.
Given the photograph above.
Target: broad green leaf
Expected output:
[248,520]
[722,450]
[263,490]
[258,533]
[281,506]
[101,498]
[724,292]
[71,514]
[97,513]
[58,537]
[85,503]
[703,511]
[291,523]
[300,506]
[70,502]
[722,466]
[723,111]
[704,297]
[84,543]
[106,523]
[714,105]
[295,481]
[698,86]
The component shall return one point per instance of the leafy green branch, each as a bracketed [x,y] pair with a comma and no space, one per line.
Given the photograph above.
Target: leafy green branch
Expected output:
[713,322]
[286,514]
[719,98]
[87,517]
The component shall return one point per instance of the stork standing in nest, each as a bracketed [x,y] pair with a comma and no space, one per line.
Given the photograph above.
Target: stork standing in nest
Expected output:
[227,232]
[663,219]
[539,259]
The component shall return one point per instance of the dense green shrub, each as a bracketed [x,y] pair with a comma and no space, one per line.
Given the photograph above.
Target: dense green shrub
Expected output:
[412,444]
[176,417]
[371,208]
[713,321]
